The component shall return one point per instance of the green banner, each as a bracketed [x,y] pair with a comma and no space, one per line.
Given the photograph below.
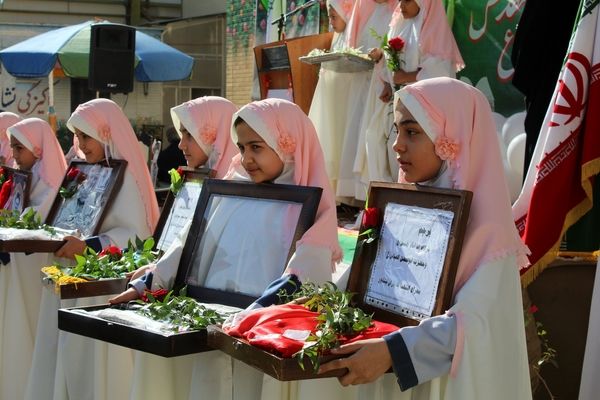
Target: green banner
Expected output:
[484,31]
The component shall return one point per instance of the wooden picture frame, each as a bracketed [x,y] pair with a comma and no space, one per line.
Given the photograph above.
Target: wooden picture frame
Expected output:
[19,195]
[380,195]
[176,344]
[98,190]
[168,226]
[68,214]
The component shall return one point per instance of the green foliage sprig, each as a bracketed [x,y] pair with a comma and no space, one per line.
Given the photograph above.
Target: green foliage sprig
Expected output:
[176,180]
[107,264]
[30,219]
[337,319]
[180,312]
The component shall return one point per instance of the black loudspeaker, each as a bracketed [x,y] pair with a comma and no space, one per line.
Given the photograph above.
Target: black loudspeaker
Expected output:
[112,58]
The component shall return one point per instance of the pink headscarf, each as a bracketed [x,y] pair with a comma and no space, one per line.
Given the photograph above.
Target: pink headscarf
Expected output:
[7,119]
[342,7]
[465,137]
[208,120]
[103,120]
[435,37]
[288,131]
[360,16]
[39,138]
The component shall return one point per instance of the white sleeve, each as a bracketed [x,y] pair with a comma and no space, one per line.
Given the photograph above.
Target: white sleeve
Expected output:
[311,263]
[432,67]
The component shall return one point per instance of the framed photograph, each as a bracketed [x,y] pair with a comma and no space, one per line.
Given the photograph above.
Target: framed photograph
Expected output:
[227,214]
[403,270]
[86,193]
[18,198]
[179,209]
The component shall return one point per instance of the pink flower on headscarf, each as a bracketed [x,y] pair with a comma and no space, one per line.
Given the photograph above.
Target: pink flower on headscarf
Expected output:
[286,143]
[37,152]
[446,149]
[104,132]
[208,134]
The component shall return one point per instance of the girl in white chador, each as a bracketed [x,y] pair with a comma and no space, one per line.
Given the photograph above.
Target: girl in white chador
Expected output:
[367,15]
[7,119]
[277,144]
[429,51]
[204,125]
[35,149]
[328,111]
[68,366]
[447,139]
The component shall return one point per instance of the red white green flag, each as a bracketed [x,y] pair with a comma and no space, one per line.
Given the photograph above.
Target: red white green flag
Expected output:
[558,187]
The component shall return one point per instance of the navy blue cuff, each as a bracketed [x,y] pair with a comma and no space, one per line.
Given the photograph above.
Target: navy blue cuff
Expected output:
[288,283]
[142,283]
[94,243]
[4,258]
[401,362]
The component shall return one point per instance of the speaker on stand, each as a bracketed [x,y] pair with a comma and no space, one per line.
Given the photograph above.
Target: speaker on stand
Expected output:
[112,58]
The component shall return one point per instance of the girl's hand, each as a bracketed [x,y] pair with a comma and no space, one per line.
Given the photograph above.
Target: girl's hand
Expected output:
[375,54]
[370,360]
[128,295]
[386,93]
[402,77]
[72,246]
[141,271]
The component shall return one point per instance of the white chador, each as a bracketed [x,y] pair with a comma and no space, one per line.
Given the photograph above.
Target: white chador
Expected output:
[102,370]
[375,157]
[329,111]
[20,293]
[349,185]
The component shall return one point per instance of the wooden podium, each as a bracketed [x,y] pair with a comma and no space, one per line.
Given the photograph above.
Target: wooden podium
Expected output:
[279,67]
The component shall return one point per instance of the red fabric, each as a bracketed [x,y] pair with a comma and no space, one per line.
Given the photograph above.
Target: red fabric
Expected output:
[265,328]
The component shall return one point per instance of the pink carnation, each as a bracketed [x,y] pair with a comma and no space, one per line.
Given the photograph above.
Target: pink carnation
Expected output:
[104,133]
[286,143]
[446,149]
[208,135]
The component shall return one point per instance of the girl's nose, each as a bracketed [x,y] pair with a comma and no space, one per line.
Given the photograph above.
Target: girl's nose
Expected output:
[181,145]
[399,145]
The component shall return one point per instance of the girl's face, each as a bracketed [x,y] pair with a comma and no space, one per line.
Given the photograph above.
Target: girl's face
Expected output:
[92,149]
[337,23]
[415,150]
[259,160]
[193,153]
[22,155]
[409,8]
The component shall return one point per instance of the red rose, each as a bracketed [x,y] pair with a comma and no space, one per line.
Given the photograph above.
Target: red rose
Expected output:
[370,218]
[158,294]
[180,172]
[111,251]
[1,171]
[396,43]
[533,309]
[5,192]
[72,173]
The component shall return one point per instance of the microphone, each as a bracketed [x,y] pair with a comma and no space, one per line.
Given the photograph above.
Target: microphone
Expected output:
[307,4]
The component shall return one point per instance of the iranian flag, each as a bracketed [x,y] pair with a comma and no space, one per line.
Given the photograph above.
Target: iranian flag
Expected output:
[558,187]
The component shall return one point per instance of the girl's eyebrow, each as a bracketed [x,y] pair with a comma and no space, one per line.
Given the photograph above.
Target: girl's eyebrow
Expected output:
[408,122]
[251,142]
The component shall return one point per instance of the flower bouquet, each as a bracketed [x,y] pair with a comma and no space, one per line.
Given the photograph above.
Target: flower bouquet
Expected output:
[111,263]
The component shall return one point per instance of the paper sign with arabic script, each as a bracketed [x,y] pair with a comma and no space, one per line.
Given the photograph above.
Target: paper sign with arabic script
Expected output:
[410,259]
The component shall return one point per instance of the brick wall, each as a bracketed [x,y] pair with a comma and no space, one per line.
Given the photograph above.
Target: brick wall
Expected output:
[240,62]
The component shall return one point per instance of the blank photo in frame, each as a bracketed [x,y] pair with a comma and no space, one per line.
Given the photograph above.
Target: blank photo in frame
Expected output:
[92,189]
[247,228]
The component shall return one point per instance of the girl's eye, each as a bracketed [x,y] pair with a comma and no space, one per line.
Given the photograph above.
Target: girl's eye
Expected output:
[256,147]
[241,149]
